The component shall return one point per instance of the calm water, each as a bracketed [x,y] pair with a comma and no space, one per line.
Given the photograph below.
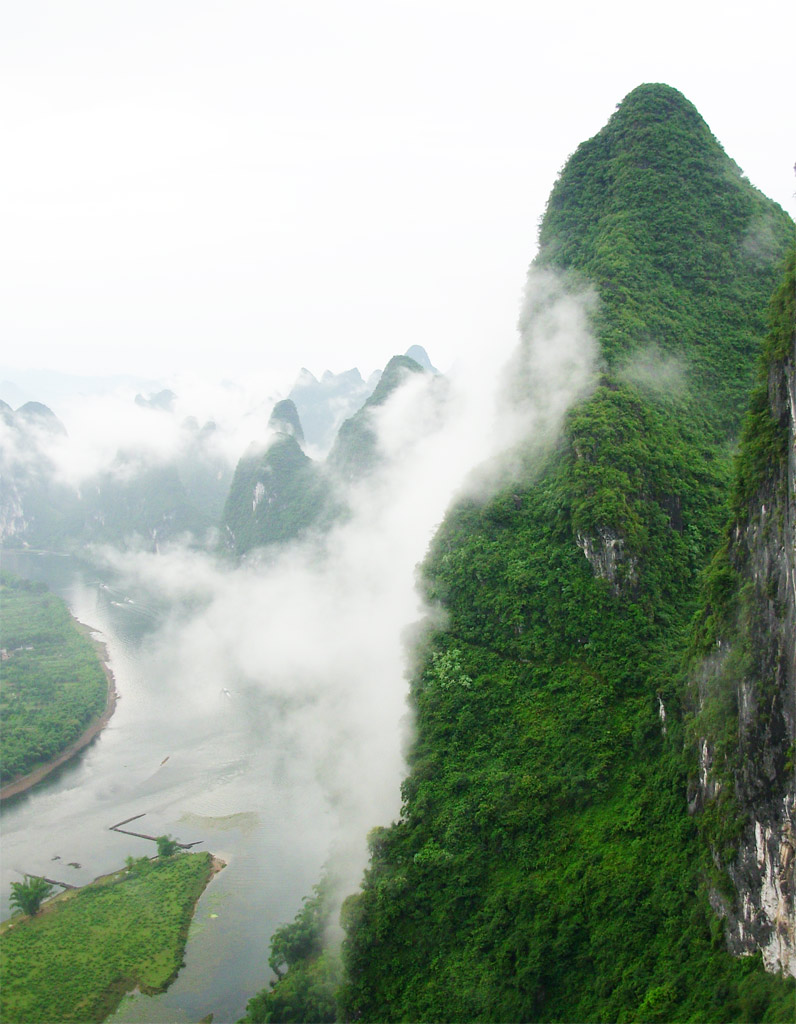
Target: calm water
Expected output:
[208,769]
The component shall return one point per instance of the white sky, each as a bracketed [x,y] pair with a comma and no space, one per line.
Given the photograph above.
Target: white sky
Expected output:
[228,187]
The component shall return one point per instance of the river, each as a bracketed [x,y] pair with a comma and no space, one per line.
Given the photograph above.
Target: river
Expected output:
[198,771]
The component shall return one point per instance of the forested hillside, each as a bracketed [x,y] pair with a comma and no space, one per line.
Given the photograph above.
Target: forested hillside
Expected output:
[53,683]
[545,865]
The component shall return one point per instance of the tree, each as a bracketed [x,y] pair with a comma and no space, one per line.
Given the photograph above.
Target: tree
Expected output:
[27,896]
[167,846]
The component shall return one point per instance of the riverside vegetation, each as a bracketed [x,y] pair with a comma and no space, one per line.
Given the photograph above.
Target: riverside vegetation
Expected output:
[53,685]
[74,961]
[545,865]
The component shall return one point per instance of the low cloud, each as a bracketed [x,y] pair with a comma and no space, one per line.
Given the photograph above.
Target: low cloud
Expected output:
[313,632]
[656,371]
[110,432]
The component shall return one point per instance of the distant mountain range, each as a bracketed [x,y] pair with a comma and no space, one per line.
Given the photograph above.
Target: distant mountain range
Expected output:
[276,493]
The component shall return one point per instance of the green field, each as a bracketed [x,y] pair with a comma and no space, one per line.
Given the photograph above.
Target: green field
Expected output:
[76,959]
[53,684]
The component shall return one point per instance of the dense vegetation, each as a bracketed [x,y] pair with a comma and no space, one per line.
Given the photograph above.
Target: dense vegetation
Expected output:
[276,496]
[308,970]
[744,606]
[545,866]
[53,684]
[680,247]
[75,961]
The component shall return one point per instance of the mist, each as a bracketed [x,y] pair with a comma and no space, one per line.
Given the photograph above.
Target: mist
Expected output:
[306,642]
[98,427]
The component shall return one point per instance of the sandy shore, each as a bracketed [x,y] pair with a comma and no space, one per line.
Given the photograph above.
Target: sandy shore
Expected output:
[27,781]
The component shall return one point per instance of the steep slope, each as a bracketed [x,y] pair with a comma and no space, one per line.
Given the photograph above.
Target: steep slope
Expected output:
[277,494]
[545,866]
[280,494]
[135,502]
[354,453]
[745,723]
[35,508]
[325,404]
[681,249]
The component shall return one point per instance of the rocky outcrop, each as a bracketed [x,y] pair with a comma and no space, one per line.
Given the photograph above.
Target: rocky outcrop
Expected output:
[605,553]
[761,655]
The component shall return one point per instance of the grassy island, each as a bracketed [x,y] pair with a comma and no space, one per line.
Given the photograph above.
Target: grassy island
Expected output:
[87,947]
[54,685]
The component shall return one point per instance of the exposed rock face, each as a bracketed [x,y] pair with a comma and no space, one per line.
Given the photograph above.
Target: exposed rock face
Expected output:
[12,514]
[605,554]
[762,915]
[276,496]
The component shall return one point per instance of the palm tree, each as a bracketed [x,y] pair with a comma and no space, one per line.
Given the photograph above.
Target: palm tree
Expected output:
[28,895]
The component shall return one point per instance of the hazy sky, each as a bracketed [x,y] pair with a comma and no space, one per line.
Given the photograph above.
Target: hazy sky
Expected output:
[226,187]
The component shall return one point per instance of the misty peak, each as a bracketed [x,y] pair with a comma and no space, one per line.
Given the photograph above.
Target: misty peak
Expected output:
[285,420]
[36,414]
[324,404]
[395,373]
[162,401]
[420,356]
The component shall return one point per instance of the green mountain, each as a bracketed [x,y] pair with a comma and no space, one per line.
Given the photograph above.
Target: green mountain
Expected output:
[277,494]
[545,865]
[280,494]
[680,247]
[135,502]
[354,453]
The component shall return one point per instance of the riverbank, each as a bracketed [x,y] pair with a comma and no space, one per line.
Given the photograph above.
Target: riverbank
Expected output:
[25,782]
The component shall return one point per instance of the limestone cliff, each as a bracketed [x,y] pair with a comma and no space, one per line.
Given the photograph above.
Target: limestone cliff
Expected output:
[754,664]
